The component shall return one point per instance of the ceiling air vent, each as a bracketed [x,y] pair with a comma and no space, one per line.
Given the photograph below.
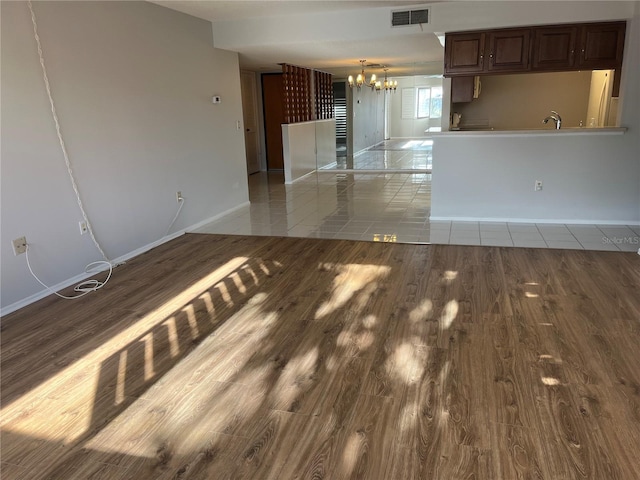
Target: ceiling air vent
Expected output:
[409,17]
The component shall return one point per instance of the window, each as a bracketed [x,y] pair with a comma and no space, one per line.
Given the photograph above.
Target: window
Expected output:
[429,102]
[408,103]
[436,102]
[421,102]
[424,102]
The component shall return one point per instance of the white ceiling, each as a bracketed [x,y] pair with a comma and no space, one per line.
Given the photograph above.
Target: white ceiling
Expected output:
[216,10]
[407,52]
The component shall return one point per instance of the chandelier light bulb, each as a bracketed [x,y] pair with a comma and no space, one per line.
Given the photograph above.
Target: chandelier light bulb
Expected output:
[361,80]
[389,85]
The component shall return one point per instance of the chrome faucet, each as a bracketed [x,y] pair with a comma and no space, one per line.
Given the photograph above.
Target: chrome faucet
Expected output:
[557,119]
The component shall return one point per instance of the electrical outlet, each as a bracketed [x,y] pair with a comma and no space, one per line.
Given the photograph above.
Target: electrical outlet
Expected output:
[538,185]
[19,246]
[179,196]
[83,227]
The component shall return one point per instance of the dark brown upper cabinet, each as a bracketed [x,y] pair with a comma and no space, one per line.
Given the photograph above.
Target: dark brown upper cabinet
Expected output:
[601,45]
[464,53]
[551,48]
[508,50]
[554,48]
[485,52]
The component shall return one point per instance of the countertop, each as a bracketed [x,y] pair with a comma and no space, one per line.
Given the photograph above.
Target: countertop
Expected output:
[489,132]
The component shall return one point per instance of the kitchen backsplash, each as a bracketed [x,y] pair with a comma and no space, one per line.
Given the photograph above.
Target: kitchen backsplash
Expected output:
[522,101]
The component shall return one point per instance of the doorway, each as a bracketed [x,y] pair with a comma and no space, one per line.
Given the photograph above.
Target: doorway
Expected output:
[340,113]
[273,102]
[250,115]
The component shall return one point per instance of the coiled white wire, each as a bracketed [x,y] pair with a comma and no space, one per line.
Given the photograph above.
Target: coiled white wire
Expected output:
[83,288]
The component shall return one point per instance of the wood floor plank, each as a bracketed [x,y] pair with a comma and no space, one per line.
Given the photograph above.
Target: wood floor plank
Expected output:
[364,445]
[266,450]
[466,390]
[212,458]
[320,445]
[612,417]
[461,461]
[514,452]
[573,449]
[422,419]
[513,401]
[256,357]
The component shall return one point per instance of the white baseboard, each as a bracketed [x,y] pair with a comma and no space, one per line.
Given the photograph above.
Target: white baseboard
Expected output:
[122,259]
[563,221]
[300,178]
[330,166]
[215,217]
[365,150]
[376,170]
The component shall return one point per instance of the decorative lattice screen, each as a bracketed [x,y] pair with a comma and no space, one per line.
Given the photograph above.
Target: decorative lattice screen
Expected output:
[308,94]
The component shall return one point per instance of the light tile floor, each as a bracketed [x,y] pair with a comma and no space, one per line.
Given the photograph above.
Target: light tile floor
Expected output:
[393,207]
[413,155]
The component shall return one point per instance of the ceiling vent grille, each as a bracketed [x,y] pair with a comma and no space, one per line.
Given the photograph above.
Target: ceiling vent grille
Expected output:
[409,17]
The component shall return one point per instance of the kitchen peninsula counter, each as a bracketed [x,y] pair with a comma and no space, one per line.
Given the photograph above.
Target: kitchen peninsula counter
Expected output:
[488,132]
[590,175]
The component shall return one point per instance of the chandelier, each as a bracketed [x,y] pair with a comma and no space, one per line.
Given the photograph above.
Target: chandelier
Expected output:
[389,85]
[373,83]
[361,79]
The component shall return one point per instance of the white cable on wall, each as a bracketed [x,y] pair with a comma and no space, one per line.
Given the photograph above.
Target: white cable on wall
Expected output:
[175,217]
[61,140]
[87,286]
[91,285]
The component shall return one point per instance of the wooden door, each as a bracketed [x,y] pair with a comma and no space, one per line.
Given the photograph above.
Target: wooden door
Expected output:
[508,50]
[250,116]
[554,47]
[602,45]
[464,53]
[274,117]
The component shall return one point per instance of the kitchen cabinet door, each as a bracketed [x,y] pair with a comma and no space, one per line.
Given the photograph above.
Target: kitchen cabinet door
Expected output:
[554,48]
[464,53]
[602,45]
[461,89]
[509,50]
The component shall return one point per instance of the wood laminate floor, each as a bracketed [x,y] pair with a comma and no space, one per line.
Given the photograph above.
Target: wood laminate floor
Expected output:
[220,357]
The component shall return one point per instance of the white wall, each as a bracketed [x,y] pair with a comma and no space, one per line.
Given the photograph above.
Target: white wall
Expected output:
[415,127]
[325,142]
[522,101]
[299,150]
[132,82]
[368,118]
[587,178]
[307,146]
